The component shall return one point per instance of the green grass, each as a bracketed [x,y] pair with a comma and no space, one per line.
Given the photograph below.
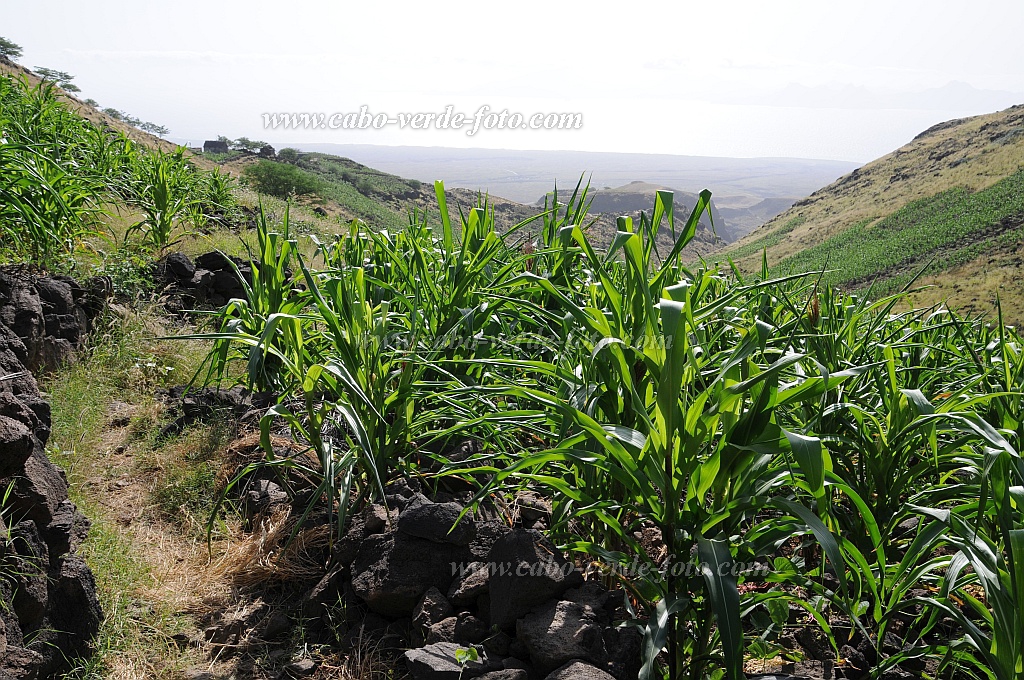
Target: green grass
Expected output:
[136,630]
[186,489]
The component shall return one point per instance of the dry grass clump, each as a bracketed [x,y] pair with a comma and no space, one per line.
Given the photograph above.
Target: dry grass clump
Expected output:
[273,552]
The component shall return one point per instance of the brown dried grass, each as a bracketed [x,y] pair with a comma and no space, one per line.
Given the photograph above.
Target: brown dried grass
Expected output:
[266,555]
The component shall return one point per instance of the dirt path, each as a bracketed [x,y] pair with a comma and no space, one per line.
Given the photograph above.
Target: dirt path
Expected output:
[155,577]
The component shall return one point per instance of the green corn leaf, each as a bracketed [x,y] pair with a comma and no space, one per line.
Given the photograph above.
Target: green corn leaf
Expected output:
[716,567]
[812,458]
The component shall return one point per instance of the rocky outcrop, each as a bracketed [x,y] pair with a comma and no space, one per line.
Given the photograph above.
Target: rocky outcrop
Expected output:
[211,279]
[50,315]
[49,611]
[577,670]
[440,661]
[578,627]
[528,573]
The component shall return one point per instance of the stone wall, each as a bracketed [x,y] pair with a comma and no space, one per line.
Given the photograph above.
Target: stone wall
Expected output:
[49,611]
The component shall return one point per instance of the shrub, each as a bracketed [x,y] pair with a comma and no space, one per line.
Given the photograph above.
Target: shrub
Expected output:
[280,179]
[288,155]
[246,144]
[129,270]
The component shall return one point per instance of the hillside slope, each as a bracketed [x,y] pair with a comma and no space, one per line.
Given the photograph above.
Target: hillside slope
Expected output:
[950,202]
[98,117]
[743,219]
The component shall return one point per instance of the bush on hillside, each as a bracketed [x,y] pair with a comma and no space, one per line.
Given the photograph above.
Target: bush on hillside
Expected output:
[280,179]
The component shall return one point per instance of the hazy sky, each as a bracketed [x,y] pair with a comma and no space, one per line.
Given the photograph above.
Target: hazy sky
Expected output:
[816,79]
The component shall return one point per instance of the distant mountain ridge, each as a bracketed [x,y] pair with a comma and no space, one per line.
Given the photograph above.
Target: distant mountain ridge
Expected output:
[730,223]
[525,176]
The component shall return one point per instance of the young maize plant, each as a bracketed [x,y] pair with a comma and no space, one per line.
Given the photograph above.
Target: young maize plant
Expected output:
[773,422]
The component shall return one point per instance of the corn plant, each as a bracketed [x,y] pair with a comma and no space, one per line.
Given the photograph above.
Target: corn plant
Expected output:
[990,560]
[250,329]
[162,191]
[58,170]
[671,426]
[46,205]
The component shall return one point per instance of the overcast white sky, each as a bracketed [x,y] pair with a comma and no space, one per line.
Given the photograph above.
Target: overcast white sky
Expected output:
[818,79]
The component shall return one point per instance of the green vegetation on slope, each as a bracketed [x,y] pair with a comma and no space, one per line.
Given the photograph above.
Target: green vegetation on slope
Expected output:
[58,172]
[941,231]
[976,254]
[768,240]
[364,193]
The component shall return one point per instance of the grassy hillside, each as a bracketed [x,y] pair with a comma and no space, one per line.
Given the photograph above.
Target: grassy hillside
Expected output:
[743,217]
[950,203]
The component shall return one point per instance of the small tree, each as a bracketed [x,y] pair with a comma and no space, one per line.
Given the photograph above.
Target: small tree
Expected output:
[153,129]
[62,78]
[279,179]
[9,49]
[288,155]
[246,144]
